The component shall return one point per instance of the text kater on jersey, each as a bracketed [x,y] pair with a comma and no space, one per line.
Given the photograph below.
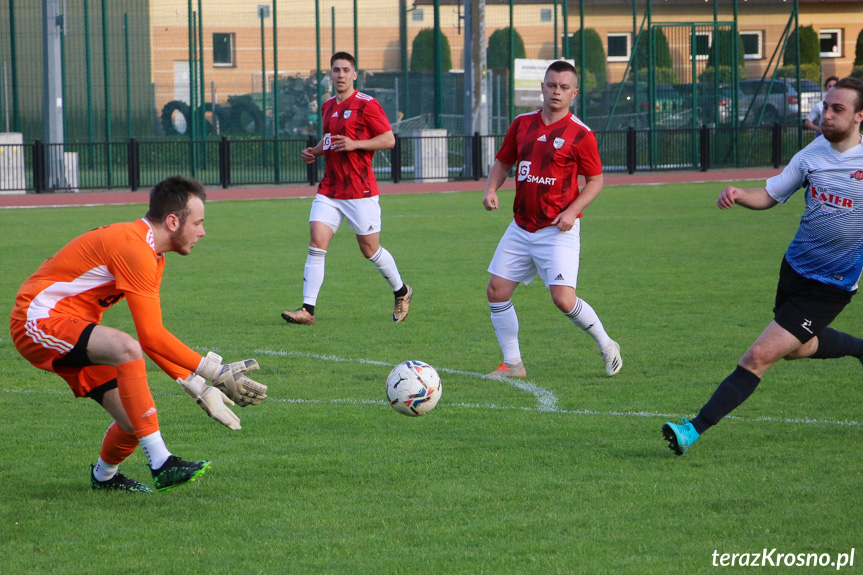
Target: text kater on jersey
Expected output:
[830,201]
[525,176]
[326,141]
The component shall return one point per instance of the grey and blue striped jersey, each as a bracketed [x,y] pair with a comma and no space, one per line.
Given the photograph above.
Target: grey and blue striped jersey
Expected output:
[828,246]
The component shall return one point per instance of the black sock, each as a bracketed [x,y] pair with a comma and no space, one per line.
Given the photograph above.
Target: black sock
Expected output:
[402,291]
[309,308]
[733,391]
[832,343]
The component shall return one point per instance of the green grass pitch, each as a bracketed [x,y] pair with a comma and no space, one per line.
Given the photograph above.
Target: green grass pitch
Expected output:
[566,473]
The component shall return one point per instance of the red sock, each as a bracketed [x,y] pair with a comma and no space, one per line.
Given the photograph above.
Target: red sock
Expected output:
[117,445]
[135,397]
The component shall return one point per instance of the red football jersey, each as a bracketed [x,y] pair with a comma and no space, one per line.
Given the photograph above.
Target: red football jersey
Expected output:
[550,158]
[349,175]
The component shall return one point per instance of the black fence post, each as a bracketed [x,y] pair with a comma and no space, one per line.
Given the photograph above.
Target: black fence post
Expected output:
[312,169]
[705,148]
[477,156]
[396,160]
[631,154]
[777,145]
[134,166]
[225,162]
[38,166]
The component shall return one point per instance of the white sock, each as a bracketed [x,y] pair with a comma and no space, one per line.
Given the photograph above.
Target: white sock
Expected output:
[104,471]
[155,449]
[385,263]
[313,275]
[583,316]
[505,323]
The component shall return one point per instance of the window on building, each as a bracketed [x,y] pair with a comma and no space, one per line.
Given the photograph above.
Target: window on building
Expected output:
[545,14]
[223,50]
[702,45]
[753,44]
[831,43]
[619,46]
[417,15]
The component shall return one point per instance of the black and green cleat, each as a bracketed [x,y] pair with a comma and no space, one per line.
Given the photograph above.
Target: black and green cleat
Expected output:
[175,472]
[118,483]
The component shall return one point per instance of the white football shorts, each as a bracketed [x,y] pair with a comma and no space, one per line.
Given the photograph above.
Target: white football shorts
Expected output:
[363,214]
[549,252]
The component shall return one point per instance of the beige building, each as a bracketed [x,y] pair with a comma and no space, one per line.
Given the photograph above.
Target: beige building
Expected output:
[239,40]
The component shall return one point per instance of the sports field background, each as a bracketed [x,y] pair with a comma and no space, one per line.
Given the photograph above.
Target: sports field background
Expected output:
[564,473]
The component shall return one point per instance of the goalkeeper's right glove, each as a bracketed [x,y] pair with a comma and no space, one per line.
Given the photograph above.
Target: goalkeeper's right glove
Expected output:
[211,400]
[232,380]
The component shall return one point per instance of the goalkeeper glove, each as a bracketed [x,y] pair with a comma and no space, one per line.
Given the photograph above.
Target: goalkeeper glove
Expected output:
[231,379]
[211,400]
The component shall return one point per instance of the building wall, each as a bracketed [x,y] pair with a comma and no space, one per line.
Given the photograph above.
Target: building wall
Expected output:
[379,47]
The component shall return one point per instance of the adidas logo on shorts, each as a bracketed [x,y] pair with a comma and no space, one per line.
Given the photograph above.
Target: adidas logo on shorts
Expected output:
[559,278]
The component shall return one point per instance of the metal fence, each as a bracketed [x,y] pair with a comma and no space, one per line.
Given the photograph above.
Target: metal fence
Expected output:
[224,162]
[201,69]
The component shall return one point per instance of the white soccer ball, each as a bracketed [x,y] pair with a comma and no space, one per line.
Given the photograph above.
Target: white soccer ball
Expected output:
[413,388]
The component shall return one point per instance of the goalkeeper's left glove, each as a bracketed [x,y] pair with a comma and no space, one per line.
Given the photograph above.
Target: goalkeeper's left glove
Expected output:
[232,380]
[211,400]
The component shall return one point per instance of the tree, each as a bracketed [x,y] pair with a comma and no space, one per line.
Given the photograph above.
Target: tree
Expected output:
[810,47]
[858,52]
[498,49]
[662,51]
[594,58]
[724,39]
[422,52]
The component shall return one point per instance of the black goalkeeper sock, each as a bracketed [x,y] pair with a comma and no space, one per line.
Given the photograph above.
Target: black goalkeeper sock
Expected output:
[733,391]
[832,343]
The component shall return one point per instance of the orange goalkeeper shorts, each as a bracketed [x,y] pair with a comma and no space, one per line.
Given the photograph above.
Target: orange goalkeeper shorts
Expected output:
[44,341]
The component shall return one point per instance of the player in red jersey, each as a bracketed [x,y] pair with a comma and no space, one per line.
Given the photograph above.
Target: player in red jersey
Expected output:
[355,126]
[56,325]
[552,147]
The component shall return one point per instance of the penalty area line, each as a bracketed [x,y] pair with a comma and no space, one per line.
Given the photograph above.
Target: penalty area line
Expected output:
[546,400]
[492,406]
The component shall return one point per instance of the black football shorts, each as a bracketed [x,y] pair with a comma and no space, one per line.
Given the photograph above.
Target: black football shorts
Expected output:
[805,306]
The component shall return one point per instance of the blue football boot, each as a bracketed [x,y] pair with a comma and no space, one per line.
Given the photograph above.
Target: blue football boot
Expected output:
[680,436]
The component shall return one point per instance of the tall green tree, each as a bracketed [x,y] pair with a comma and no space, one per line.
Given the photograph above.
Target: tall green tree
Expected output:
[858,51]
[810,47]
[663,52]
[422,52]
[724,39]
[594,57]
[498,48]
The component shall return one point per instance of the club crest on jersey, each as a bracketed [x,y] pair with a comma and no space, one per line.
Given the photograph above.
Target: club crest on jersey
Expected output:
[831,201]
[542,138]
[524,176]
[347,114]
[858,175]
[558,143]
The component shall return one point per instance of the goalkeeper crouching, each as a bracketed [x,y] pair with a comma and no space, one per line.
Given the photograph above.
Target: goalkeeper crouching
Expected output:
[56,325]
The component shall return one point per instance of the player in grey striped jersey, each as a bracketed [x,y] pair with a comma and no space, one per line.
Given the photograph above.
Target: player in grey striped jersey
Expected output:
[822,266]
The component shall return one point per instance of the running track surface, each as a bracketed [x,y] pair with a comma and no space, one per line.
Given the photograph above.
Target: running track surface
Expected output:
[269,192]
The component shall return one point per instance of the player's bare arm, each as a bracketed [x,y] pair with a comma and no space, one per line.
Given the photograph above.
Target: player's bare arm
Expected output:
[309,154]
[810,125]
[383,141]
[496,178]
[566,219]
[752,198]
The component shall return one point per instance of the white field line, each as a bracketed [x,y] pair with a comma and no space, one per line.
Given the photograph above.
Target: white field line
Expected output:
[546,400]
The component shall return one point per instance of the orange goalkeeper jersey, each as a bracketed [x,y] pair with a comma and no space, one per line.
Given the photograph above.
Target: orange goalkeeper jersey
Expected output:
[96,270]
